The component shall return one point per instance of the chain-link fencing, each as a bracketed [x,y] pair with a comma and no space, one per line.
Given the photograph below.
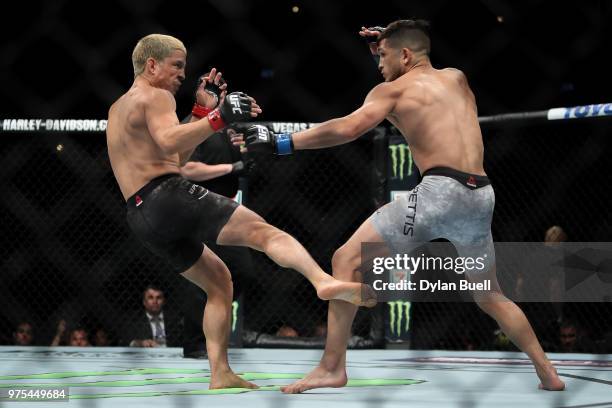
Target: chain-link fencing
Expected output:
[67,252]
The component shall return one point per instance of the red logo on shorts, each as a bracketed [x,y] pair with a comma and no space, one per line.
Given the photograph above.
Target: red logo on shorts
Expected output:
[471,181]
[138,201]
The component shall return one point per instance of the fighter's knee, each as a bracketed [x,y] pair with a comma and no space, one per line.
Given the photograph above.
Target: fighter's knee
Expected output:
[489,301]
[223,289]
[337,259]
[222,284]
[227,283]
[225,280]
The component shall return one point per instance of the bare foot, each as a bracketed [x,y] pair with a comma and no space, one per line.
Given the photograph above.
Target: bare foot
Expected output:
[229,380]
[550,379]
[352,292]
[317,378]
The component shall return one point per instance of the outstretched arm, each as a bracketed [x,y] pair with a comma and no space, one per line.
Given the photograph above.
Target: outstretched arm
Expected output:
[198,171]
[377,105]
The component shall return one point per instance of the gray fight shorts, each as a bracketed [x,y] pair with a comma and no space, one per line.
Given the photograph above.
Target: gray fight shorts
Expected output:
[447,204]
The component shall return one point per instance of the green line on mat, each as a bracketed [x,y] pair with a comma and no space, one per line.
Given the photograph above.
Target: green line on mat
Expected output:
[249,376]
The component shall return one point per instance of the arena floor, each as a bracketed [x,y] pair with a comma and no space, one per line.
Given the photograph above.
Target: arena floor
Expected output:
[121,377]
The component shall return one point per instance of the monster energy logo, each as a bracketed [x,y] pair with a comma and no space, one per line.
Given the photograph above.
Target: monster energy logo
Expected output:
[400,155]
[235,306]
[399,312]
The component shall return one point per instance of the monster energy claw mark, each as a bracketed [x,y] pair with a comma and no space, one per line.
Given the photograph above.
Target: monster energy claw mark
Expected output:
[235,306]
[396,318]
[403,153]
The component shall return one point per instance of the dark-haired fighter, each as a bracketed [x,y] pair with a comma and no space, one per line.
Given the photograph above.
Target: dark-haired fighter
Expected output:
[436,112]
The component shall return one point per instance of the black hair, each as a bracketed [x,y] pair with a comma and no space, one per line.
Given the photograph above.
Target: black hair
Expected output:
[412,34]
[152,286]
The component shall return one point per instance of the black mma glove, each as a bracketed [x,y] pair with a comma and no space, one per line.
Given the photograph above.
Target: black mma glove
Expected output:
[211,89]
[236,107]
[243,167]
[259,139]
[373,38]
[238,168]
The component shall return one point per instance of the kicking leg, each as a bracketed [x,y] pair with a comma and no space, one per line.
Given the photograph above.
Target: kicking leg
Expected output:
[246,228]
[211,274]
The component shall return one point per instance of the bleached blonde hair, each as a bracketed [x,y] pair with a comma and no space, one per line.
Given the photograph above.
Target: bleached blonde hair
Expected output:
[156,46]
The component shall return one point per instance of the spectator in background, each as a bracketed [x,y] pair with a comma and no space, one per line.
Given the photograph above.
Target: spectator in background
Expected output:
[58,340]
[287,331]
[101,338]
[546,286]
[218,162]
[320,330]
[555,234]
[78,338]
[153,326]
[553,237]
[573,339]
[568,335]
[23,335]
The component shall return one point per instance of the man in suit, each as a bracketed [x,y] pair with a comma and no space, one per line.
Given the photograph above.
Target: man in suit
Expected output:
[153,327]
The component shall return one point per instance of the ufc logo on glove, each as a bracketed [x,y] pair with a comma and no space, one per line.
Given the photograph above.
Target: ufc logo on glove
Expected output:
[235,102]
[263,134]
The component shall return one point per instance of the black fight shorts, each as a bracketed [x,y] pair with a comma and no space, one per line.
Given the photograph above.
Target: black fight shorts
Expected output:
[173,218]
